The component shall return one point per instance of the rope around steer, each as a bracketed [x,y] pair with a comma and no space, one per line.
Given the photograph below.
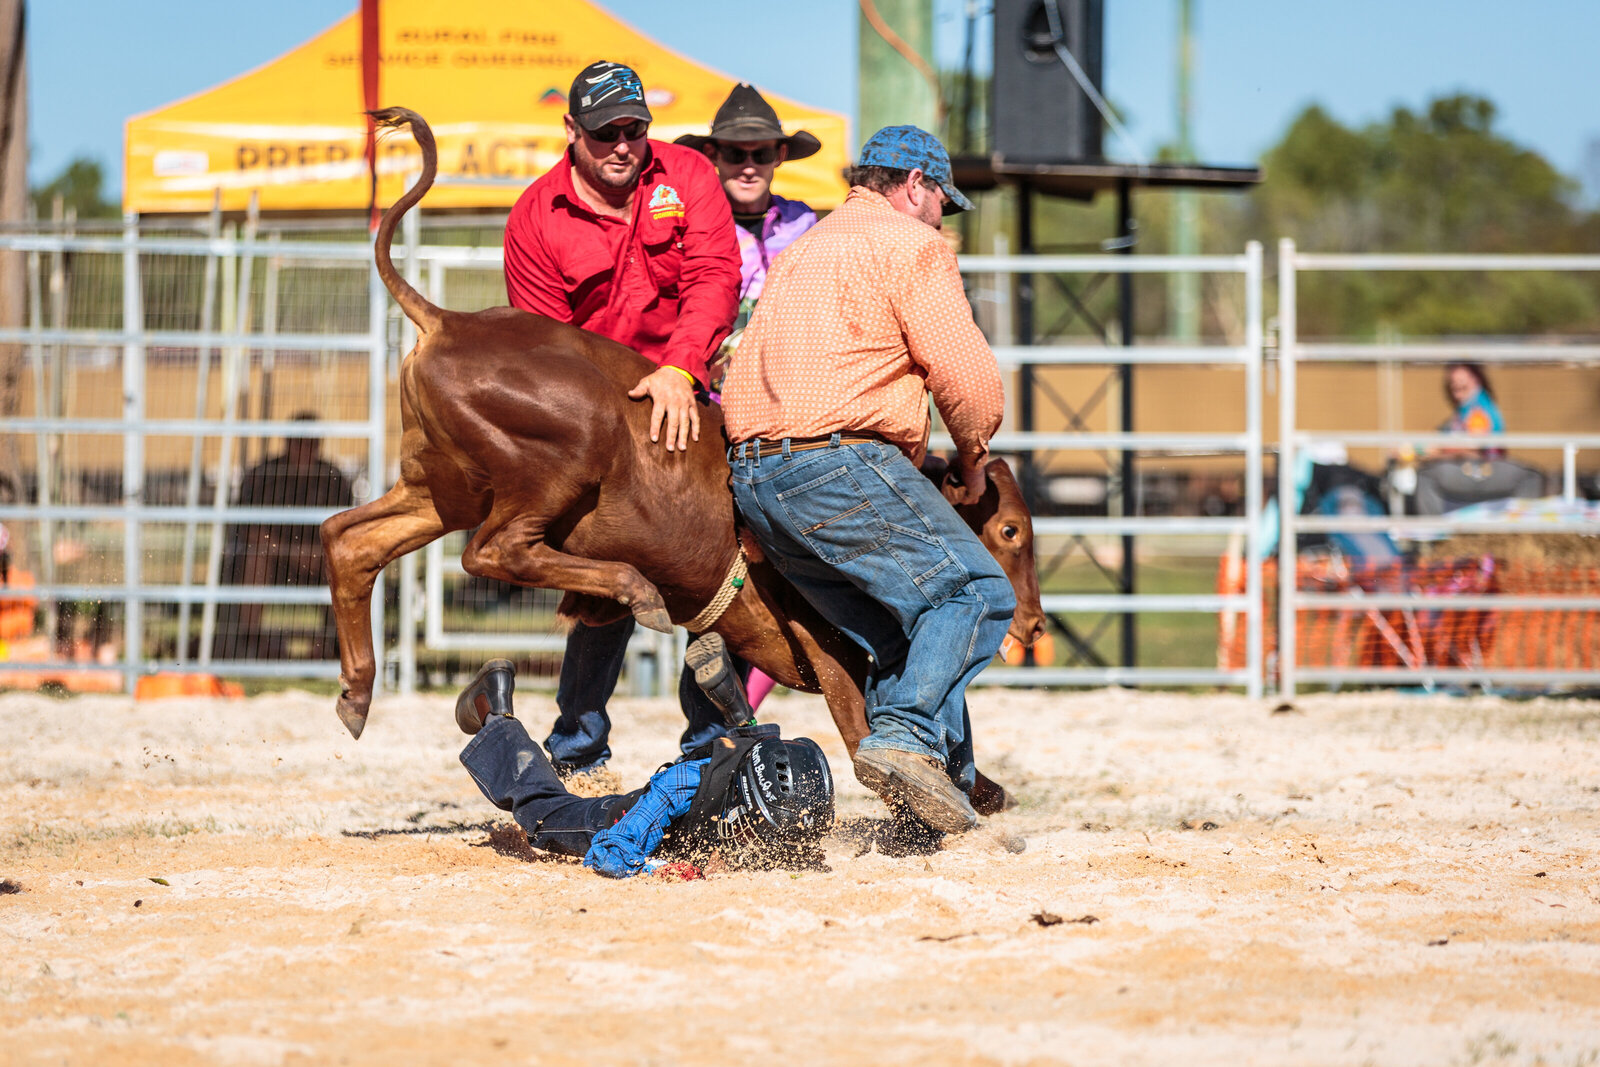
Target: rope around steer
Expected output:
[731,584]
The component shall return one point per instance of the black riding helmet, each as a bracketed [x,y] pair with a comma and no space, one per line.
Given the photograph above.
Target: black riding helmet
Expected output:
[781,797]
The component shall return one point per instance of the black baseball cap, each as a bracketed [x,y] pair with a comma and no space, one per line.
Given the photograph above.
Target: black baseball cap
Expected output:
[605,92]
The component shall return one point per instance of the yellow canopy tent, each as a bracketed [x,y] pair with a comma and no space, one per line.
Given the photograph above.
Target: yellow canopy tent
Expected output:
[491,78]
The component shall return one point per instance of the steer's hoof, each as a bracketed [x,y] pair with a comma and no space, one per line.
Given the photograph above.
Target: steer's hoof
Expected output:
[655,618]
[353,713]
[989,797]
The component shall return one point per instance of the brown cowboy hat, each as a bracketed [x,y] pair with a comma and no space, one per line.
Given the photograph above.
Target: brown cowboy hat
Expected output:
[746,116]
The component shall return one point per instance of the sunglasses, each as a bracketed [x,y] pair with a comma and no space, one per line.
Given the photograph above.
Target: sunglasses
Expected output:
[612,133]
[734,156]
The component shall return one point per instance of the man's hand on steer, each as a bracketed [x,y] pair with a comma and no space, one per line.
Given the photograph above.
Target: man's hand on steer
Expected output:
[972,477]
[672,400]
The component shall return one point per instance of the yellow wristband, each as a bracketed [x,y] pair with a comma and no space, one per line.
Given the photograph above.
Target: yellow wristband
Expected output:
[692,379]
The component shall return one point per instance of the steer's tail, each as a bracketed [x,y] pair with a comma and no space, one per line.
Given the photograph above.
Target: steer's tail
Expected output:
[416,306]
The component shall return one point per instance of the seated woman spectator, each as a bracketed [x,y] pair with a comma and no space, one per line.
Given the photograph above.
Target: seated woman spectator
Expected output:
[1455,477]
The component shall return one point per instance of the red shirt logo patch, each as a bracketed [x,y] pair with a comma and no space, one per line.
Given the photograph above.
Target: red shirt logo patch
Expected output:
[665,203]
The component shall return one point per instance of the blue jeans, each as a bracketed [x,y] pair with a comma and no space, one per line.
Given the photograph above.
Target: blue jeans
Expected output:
[883,556]
[589,673]
[514,775]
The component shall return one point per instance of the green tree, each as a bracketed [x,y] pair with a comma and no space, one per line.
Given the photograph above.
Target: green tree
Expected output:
[1437,180]
[1440,178]
[80,186]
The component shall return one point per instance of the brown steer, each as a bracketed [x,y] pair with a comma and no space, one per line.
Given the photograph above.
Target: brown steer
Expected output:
[521,426]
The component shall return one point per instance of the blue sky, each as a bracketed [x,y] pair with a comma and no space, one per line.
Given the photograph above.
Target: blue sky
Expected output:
[93,63]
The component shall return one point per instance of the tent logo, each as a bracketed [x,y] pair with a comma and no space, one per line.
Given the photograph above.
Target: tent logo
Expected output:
[659,97]
[177,163]
[665,203]
[553,95]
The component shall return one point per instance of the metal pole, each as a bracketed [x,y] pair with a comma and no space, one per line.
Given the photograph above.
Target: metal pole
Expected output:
[64,490]
[970,39]
[1286,461]
[892,90]
[1183,289]
[41,442]
[233,368]
[969,226]
[57,403]
[408,562]
[433,590]
[1130,484]
[377,379]
[411,233]
[1025,373]
[202,383]
[433,577]
[408,624]
[1391,404]
[269,326]
[1252,467]
[132,451]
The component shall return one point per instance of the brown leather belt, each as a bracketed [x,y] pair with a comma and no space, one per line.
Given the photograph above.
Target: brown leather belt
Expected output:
[763,449]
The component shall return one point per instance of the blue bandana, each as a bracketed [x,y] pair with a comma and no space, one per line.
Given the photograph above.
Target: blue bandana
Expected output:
[624,850]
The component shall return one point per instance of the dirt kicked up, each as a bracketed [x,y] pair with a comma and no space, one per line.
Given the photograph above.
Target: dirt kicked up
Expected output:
[1369,879]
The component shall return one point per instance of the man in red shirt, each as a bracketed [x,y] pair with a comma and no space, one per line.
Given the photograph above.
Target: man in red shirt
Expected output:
[634,240]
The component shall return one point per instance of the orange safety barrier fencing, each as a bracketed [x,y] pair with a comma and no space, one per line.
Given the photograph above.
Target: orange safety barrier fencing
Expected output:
[1431,636]
[22,648]
[172,684]
[16,615]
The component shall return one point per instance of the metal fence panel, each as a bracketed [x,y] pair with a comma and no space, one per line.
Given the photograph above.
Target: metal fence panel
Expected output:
[1295,603]
[161,526]
[151,519]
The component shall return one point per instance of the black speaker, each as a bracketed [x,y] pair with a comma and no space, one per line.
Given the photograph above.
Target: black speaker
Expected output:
[1041,113]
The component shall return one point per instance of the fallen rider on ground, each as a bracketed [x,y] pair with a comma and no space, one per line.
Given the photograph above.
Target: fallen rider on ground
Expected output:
[751,797]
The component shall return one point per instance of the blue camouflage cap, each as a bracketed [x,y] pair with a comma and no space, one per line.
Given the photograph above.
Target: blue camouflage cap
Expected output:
[910,148]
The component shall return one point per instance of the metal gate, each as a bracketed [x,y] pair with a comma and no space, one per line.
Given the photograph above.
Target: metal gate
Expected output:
[156,369]
[1244,441]
[159,366]
[1406,606]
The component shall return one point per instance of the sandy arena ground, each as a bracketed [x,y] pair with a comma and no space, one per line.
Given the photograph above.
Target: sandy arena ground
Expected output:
[1369,879]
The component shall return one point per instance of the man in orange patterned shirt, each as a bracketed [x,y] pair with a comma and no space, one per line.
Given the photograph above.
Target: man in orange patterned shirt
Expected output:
[827,414]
